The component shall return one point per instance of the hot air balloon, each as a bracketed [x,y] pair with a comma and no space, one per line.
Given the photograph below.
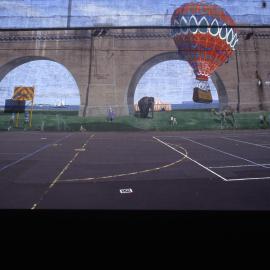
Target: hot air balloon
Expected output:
[205,39]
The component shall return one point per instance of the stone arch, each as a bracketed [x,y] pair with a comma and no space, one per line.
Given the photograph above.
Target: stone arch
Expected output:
[9,66]
[143,68]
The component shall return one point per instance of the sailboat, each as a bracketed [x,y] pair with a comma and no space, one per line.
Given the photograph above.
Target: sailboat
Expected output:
[60,104]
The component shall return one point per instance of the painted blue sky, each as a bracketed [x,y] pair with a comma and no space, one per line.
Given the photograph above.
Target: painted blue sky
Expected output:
[48,77]
[38,13]
[53,13]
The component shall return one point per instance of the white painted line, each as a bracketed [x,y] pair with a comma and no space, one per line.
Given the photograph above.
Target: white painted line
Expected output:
[13,153]
[226,153]
[201,165]
[32,154]
[255,144]
[252,178]
[236,166]
[217,135]
[250,134]
[126,190]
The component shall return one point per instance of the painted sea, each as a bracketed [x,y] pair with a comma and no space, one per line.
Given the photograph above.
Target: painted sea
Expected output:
[190,105]
[186,105]
[47,107]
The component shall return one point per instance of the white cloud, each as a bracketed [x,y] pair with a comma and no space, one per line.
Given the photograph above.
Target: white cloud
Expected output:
[104,9]
[17,8]
[21,8]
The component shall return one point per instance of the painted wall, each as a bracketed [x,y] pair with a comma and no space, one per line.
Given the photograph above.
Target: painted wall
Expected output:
[54,13]
[175,89]
[45,76]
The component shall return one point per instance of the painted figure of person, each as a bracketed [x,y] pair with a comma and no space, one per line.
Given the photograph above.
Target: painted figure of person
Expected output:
[26,119]
[264,121]
[11,121]
[261,120]
[111,114]
[82,129]
[171,119]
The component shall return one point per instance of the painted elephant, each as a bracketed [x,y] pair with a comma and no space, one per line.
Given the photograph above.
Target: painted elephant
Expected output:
[145,104]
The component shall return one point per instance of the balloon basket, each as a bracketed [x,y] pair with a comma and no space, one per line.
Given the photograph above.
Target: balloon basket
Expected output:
[202,96]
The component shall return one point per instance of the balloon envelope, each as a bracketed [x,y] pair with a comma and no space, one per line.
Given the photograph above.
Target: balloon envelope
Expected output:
[205,37]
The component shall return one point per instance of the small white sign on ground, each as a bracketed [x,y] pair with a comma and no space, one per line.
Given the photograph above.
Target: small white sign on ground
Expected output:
[126,190]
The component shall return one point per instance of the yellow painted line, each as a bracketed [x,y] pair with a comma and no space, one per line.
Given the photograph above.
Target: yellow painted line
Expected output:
[92,179]
[62,172]
[59,175]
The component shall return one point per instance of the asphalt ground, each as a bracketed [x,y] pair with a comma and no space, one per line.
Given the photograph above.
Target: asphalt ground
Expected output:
[203,170]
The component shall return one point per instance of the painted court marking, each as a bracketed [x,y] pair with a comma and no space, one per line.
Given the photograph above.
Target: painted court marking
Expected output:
[201,165]
[226,153]
[32,154]
[237,166]
[109,177]
[254,144]
[128,190]
[251,178]
[249,134]
[209,168]
[14,153]
[60,174]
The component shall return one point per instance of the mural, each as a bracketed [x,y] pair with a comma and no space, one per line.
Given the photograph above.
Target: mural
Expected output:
[76,13]
[205,38]
[54,84]
[171,83]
